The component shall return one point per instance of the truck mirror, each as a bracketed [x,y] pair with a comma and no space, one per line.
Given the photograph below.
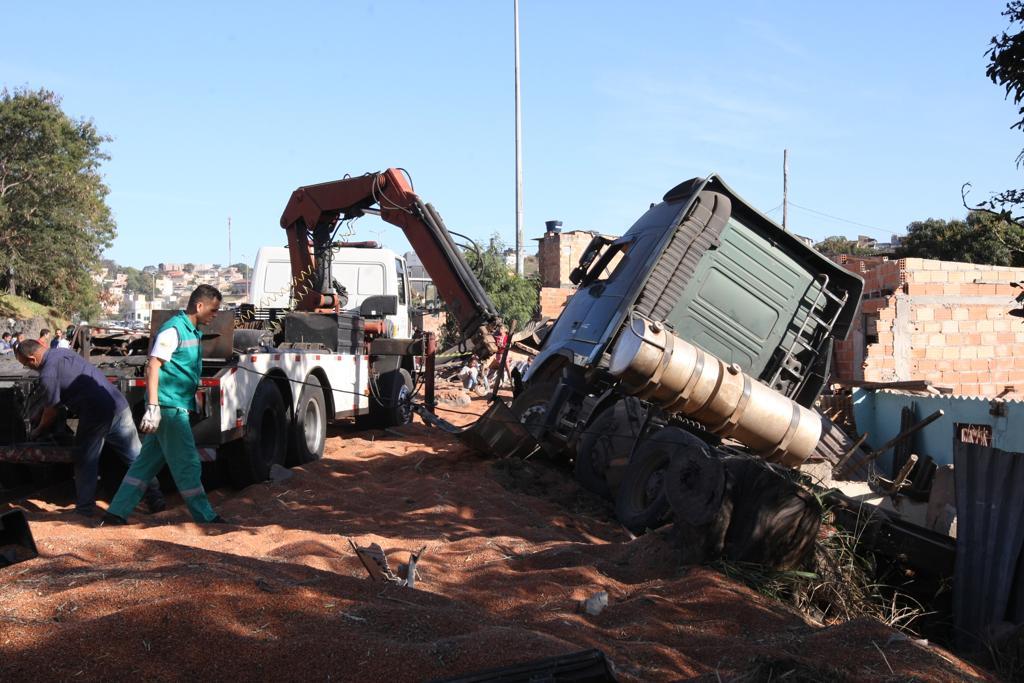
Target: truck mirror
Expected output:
[379,306]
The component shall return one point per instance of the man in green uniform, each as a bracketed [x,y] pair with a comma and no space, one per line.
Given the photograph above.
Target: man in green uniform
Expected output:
[172,378]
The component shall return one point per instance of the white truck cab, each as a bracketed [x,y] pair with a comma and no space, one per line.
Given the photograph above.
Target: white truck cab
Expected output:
[363,271]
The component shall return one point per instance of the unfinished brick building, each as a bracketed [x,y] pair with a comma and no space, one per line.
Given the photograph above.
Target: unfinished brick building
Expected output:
[557,254]
[942,321]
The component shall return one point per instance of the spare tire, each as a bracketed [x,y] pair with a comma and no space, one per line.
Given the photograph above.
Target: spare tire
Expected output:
[391,405]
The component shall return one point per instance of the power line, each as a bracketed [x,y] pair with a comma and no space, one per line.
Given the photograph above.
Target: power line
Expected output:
[844,220]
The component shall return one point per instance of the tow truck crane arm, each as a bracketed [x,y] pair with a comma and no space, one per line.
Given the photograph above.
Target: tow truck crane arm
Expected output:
[313,211]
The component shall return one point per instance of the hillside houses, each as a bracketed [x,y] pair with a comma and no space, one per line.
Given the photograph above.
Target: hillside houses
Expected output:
[165,286]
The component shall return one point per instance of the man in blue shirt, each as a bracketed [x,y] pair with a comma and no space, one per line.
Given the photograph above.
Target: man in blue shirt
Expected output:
[104,418]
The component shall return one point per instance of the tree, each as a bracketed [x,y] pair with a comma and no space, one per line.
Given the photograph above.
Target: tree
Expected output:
[984,237]
[837,244]
[137,281]
[54,220]
[1006,68]
[243,268]
[515,298]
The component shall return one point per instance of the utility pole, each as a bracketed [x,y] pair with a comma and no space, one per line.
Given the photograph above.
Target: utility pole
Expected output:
[229,241]
[785,189]
[519,154]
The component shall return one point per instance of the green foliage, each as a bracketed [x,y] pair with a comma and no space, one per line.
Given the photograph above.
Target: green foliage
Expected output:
[138,282]
[244,268]
[515,298]
[1006,68]
[983,237]
[54,220]
[832,246]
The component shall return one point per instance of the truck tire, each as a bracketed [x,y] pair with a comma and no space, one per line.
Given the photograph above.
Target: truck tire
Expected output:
[530,407]
[640,502]
[308,431]
[265,442]
[392,405]
[610,437]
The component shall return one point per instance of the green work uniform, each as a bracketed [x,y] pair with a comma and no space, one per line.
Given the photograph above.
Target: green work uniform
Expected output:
[172,443]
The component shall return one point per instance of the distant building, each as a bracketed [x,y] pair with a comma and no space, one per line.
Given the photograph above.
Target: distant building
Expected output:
[558,253]
[137,308]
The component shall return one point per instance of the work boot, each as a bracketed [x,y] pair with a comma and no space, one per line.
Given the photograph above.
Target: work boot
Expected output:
[110,519]
[88,512]
[155,503]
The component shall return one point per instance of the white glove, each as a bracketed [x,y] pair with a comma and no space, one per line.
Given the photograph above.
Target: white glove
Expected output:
[151,420]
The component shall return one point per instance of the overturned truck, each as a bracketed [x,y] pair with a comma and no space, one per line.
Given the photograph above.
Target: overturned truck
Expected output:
[681,375]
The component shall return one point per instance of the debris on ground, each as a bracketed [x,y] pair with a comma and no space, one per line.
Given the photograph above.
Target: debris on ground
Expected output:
[280,595]
[595,604]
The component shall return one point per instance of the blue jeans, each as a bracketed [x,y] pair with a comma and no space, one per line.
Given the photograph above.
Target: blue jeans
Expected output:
[90,438]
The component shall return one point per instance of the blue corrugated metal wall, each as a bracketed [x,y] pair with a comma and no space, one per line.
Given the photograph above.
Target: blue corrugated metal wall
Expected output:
[878,414]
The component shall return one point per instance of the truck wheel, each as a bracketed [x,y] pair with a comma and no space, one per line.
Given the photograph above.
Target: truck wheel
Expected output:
[308,431]
[266,438]
[640,502]
[608,439]
[394,407]
[530,407]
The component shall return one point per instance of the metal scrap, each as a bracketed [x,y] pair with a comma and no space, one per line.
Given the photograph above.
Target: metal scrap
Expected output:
[375,561]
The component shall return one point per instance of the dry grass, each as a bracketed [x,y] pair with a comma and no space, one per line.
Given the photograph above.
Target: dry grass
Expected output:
[20,308]
[837,587]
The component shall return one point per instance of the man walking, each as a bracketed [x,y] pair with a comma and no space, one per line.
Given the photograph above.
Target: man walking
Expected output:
[172,378]
[5,344]
[58,341]
[104,418]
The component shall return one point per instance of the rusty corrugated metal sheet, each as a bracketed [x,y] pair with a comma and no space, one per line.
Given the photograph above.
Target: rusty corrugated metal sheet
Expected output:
[990,536]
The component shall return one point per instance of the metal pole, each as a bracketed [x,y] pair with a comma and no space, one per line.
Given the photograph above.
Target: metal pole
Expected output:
[519,155]
[785,189]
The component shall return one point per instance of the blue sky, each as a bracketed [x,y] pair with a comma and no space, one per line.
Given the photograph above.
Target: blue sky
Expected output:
[221,109]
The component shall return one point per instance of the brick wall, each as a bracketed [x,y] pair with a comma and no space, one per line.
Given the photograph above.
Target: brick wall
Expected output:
[552,300]
[558,253]
[942,321]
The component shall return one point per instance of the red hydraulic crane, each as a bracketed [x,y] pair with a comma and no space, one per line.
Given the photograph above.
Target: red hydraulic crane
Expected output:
[313,212]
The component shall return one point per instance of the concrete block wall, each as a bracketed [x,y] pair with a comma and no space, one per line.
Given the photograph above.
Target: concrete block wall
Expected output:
[552,300]
[942,321]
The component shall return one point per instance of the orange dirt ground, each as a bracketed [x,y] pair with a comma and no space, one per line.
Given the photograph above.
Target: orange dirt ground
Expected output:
[511,549]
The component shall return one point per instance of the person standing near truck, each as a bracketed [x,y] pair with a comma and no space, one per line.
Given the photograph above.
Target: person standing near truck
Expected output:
[172,379]
[104,418]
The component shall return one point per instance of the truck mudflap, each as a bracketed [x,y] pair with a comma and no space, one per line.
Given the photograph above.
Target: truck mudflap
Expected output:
[36,452]
[498,432]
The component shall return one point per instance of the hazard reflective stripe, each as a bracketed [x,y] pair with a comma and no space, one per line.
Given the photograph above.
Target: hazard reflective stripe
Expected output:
[207,454]
[189,493]
[137,483]
[186,343]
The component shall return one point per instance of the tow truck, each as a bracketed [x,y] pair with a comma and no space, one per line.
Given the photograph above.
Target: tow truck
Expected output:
[271,385]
